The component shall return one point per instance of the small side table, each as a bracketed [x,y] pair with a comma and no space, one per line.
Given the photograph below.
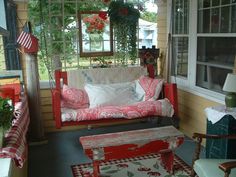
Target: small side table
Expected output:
[220,121]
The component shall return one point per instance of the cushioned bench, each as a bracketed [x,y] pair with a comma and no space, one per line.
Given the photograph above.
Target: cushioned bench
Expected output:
[77,79]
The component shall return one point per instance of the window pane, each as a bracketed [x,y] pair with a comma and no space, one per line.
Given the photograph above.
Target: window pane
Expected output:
[215,58]
[233,19]
[211,78]
[180,16]
[204,21]
[223,2]
[180,56]
[200,4]
[206,3]
[224,27]
[215,20]
[215,2]
[148,25]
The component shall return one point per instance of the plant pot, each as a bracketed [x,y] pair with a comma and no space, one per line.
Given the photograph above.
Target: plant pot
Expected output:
[96,40]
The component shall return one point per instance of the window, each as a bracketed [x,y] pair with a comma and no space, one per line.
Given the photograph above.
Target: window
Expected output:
[180,38]
[203,44]
[216,43]
[9,56]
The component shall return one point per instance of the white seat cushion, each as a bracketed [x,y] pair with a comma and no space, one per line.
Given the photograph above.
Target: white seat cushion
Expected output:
[210,168]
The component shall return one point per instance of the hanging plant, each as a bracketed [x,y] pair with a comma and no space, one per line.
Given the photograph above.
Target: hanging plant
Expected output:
[124,18]
[6,116]
[6,113]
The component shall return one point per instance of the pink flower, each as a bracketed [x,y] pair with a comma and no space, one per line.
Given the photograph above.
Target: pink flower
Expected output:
[103,15]
[95,23]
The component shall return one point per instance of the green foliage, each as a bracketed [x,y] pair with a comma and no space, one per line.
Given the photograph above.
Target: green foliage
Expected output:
[124,18]
[149,16]
[6,113]
[54,31]
[103,61]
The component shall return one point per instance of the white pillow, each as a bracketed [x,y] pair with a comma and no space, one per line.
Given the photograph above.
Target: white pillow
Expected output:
[112,94]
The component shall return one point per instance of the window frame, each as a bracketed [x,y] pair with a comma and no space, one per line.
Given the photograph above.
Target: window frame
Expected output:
[189,84]
[81,41]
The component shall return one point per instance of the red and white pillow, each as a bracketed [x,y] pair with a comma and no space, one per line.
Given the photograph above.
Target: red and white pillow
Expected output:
[152,87]
[74,98]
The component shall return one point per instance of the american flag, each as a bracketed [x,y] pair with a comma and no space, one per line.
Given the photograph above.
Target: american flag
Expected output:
[24,38]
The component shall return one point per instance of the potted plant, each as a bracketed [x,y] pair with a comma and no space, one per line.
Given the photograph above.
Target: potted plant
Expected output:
[124,18]
[6,116]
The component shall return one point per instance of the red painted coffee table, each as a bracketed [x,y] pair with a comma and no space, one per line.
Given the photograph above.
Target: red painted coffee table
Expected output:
[133,143]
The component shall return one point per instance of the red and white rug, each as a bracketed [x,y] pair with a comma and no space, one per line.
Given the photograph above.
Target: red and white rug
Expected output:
[144,166]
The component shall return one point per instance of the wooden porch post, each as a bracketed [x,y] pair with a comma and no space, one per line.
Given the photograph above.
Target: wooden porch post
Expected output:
[36,130]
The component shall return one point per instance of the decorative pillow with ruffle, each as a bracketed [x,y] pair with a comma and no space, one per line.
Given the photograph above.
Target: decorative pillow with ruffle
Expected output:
[74,98]
[152,87]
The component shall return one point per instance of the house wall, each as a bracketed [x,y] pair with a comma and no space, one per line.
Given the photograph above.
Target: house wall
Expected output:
[191,112]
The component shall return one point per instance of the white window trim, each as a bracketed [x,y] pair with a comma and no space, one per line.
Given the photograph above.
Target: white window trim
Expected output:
[5,164]
[44,84]
[188,84]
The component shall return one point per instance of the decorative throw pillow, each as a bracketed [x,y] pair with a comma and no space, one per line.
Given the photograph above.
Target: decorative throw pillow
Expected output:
[152,87]
[74,98]
[139,91]
[111,94]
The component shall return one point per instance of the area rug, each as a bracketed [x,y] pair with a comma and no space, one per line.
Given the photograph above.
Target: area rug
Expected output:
[144,166]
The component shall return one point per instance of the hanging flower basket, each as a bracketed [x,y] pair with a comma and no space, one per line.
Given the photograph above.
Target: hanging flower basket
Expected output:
[124,18]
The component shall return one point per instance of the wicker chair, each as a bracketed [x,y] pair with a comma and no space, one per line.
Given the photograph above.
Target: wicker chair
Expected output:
[212,167]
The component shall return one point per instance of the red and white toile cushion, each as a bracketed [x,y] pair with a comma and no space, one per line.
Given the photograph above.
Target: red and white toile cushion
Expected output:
[152,87]
[141,109]
[74,98]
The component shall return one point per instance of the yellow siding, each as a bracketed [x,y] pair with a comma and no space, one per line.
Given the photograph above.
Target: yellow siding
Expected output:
[162,25]
[22,17]
[162,34]
[191,112]
[19,172]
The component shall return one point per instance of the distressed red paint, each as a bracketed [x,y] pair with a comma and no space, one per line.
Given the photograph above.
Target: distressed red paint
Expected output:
[134,143]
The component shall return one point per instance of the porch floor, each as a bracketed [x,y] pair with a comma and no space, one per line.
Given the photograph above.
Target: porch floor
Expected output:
[64,149]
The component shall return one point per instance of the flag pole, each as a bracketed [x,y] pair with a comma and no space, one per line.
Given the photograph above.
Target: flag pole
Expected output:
[29,27]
